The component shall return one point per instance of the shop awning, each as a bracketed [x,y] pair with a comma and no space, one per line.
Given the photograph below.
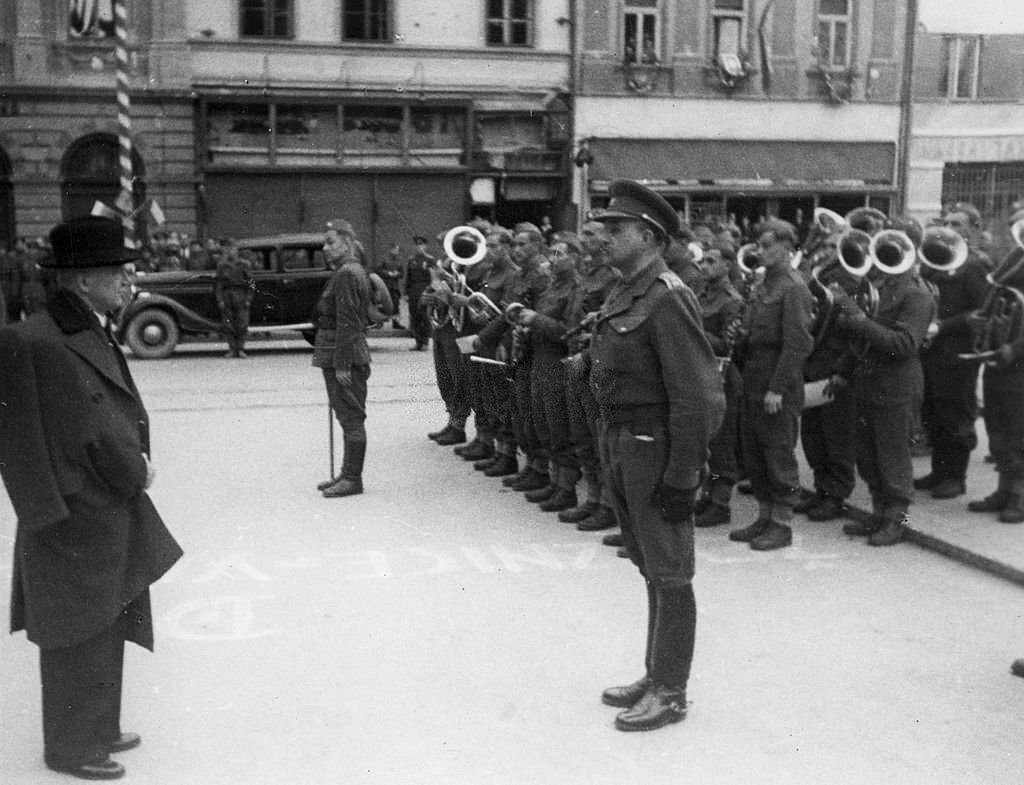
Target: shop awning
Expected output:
[719,161]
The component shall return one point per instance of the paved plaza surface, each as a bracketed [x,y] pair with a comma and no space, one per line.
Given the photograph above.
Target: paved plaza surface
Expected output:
[440,629]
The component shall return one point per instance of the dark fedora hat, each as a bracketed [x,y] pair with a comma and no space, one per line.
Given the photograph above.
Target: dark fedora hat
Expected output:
[89,241]
[632,201]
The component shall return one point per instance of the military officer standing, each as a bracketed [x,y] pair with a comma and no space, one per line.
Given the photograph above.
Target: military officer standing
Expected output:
[656,381]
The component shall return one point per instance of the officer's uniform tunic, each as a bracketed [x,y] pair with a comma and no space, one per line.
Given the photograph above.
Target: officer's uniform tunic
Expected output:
[657,383]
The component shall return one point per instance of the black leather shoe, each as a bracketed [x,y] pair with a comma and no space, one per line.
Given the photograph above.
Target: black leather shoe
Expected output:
[577,514]
[322,486]
[485,463]
[994,502]
[715,515]
[503,466]
[890,534]
[660,706]
[828,509]
[535,495]
[927,482]
[748,533]
[603,518]
[124,742]
[626,697]
[949,489]
[345,486]
[105,769]
[1013,512]
[612,540]
[562,499]
[772,538]
[864,527]
[454,436]
[461,449]
[534,482]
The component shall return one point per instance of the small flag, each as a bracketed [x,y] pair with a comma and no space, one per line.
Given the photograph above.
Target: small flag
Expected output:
[101,210]
[156,213]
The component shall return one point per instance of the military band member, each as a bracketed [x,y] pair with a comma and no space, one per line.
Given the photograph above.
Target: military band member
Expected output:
[597,278]
[1003,390]
[721,306]
[950,404]
[777,341]
[827,432]
[547,322]
[656,380]
[885,372]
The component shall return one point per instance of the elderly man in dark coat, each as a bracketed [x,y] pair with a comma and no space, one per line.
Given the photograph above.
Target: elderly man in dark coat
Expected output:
[75,459]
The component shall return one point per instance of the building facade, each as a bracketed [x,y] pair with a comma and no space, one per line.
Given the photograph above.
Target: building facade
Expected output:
[259,116]
[741,108]
[968,127]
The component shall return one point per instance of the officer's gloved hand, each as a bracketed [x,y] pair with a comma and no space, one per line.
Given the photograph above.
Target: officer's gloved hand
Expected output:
[676,504]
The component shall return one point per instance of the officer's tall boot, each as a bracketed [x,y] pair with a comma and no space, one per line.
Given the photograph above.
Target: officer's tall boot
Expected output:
[627,696]
[350,482]
[664,700]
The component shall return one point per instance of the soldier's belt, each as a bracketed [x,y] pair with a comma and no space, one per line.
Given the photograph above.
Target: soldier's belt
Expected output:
[648,414]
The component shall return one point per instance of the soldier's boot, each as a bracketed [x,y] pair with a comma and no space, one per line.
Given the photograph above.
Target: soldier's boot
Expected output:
[997,500]
[462,448]
[505,463]
[713,515]
[522,475]
[660,705]
[628,695]
[455,434]
[543,493]
[890,533]
[775,535]
[537,480]
[602,518]
[435,435]
[351,481]
[564,497]
[749,533]
[864,527]
[1013,512]
[483,448]
[593,500]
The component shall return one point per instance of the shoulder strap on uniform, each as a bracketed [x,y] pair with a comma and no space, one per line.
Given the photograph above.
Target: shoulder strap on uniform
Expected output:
[671,280]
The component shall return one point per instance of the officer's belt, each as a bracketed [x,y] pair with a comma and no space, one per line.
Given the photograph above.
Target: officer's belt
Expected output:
[648,414]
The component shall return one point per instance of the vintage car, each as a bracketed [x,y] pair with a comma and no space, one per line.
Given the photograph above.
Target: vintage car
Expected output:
[289,273]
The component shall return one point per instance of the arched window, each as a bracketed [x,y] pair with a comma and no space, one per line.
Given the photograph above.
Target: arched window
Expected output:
[90,173]
[7,235]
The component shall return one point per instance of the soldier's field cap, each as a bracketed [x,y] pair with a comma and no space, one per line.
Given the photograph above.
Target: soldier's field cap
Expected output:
[630,200]
[89,241]
[341,226]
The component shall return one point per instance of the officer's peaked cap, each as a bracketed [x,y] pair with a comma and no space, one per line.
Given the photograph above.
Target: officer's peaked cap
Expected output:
[89,241]
[630,200]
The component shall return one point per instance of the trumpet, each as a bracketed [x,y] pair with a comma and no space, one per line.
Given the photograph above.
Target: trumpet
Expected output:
[482,307]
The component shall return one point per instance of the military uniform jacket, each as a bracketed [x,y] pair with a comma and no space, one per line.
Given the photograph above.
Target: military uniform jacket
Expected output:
[889,371]
[649,351]
[554,314]
[342,316]
[526,288]
[417,274]
[959,294]
[1010,273]
[778,341]
[720,304]
[73,430]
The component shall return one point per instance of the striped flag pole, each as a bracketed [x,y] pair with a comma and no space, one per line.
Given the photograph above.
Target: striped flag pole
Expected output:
[125,201]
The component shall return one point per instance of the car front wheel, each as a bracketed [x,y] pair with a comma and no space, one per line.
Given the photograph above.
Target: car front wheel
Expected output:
[152,334]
